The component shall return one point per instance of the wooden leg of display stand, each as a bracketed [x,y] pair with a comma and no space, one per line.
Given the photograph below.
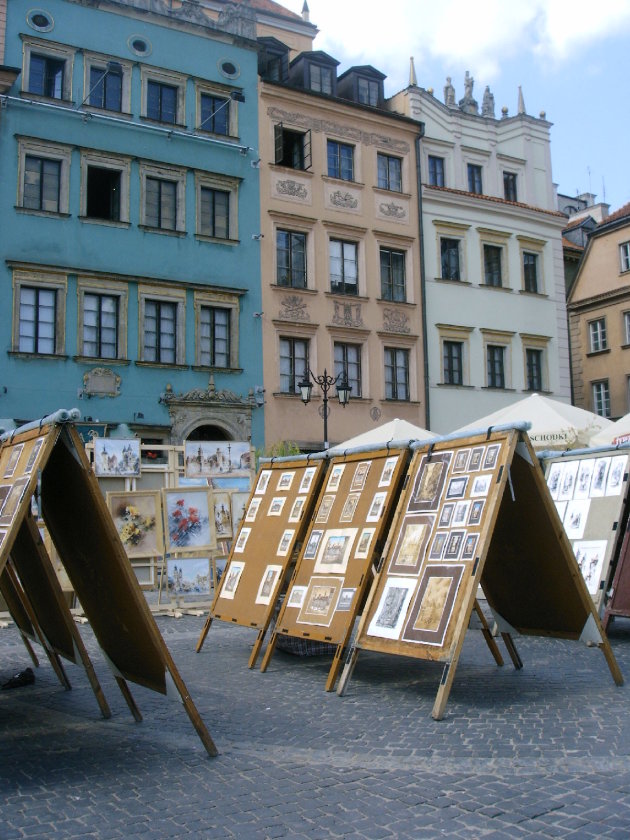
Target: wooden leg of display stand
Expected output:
[257,646]
[487,634]
[348,668]
[29,648]
[446,683]
[612,662]
[191,709]
[163,570]
[334,669]
[124,690]
[203,634]
[511,649]
[268,652]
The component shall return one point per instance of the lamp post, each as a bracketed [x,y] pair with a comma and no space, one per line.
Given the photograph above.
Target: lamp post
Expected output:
[325,382]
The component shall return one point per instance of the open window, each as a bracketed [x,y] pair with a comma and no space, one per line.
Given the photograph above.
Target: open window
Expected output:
[292,148]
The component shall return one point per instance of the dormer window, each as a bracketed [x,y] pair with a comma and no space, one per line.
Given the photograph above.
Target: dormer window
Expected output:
[273,60]
[321,79]
[363,84]
[368,92]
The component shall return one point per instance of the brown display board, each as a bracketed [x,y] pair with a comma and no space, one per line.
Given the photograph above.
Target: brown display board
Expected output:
[51,460]
[491,522]
[275,522]
[346,534]
[589,489]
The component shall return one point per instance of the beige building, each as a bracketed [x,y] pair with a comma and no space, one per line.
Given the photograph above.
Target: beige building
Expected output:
[599,319]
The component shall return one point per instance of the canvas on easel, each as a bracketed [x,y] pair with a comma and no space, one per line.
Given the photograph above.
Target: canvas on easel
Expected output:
[492,524]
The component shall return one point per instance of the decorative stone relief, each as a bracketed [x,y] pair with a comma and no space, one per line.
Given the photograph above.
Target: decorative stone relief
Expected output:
[291,188]
[375,413]
[209,407]
[294,309]
[101,382]
[346,200]
[347,315]
[395,321]
[239,19]
[392,210]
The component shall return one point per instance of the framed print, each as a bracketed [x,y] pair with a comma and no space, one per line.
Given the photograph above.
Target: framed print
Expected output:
[241,542]
[490,458]
[446,514]
[114,458]
[554,479]
[324,509]
[409,551]
[476,456]
[268,584]
[12,500]
[285,543]
[600,473]
[307,479]
[575,518]
[285,481]
[222,515]
[476,511]
[252,510]
[590,557]
[188,575]
[334,552]
[310,552]
[320,601]
[583,481]
[32,458]
[297,509]
[433,605]
[276,505]
[460,514]
[363,545]
[188,520]
[376,508]
[470,546]
[457,487]
[454,545]
[430,482]
[567,486]
[481,485]
[238,503]
[345,600]
[216,457]
[388,471]
[437,546]
[460,463]
[14,457]
[231,579]
[296,596]
[137,517]
[349,507]
[335,478]
[360,475]
[615,475]
[263,481]
[390,614]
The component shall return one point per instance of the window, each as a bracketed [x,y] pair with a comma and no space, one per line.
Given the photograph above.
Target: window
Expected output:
[368,91]
[534,364]
[495,366]
[214,213]
[396,374]
[162,199]
[161,102]
[100,325]
[340,160]
[474,179]
[348,363]
[436,171]
[214,336]
[103,193]
[626,324]
[509,186]
[163,96]
[344,279]
[215,114]
[106,88]
[601,398]
[292,148]
[160,331]
[597,335]
[393,285]
[293,364]
[46,76]
[624,256]
[530,272]
[321,78]
[492,265]
[389,172]
[37,320]
[453,362]
[291,259]
[42,184]
[449,252]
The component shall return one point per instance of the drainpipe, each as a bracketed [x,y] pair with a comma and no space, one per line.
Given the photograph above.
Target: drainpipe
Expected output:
[423,291]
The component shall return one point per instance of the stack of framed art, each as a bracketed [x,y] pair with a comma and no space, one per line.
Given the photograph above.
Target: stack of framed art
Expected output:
[333,571]
[276,517]
[475,511]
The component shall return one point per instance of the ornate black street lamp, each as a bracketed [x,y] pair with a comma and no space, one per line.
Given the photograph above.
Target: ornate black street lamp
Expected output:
[325,382]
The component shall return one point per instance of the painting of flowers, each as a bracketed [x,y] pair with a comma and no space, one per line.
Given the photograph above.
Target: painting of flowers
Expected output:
[188,520]
[138,520]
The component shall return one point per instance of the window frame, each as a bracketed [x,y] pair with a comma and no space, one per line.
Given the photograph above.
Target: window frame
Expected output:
[280,132]
[372,86]
[321,69]
[388,285]
[162,77]
[335,150]
[54,52]
[57,283]
[343,242]
[394,366]
[99,286]
[171,296]
[624,256]
[386,182]
[112,162]
[292,340]
[502,340]
[220,183]
[601,399]
[436,173]
[475,178]
[286,231]
[626,328]
[510,180]
[534,247]
[96,61]
[489,271]
[495,372]
[597,335]
[455,334]
[450,375]
[344,365]
[218,300]
[30,147]
[458,251]
[162,173]
[217,92]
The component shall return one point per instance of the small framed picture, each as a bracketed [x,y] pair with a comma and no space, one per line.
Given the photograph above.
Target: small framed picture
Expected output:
[363,546]
[470,544]
[310,551]
[296,596]
[454,545]
[241,542]
[461,460]
[388,471]
[460,514]
[437,546]
[252,510]
[285,481]
[456,488]
[476,511]
[360,475]
[324,509]
[376,508]
[349,507]
[481,485]
[285,543]
[307,479]
[263,481]
[475,458]
[335,478]
[297,509]
[492,453]
[276,505]
[446,514]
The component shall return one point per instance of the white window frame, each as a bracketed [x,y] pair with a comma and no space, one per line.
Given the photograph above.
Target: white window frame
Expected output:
[98,61]
[403,246]
[597,335]
[103,286]
[603,386]
[451,230]
[210,180]
[503,339]
[51,151]
[626,325]
[176,80]
[176,296]
[50,50]
[461,335]
[220,300]
[537,247]
[112,162]
[536,342]
[624,256]
[163,173]
[497,239]
[51,282]
[209,89]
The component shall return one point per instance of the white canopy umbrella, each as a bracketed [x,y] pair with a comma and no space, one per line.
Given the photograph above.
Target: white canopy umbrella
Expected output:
[395,430]
[618,432]
[554,424]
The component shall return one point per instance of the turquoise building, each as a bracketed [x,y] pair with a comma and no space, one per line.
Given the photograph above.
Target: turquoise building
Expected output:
[129,218]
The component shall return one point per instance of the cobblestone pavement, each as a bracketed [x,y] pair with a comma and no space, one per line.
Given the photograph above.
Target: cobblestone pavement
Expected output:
[543,752]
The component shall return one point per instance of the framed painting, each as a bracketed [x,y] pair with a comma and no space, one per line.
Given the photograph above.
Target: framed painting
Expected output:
[216,457]
[222,512]
[138,519]
[433,606]
[188,576]
[115,458]
[189,520]
[320,601]
[238,503]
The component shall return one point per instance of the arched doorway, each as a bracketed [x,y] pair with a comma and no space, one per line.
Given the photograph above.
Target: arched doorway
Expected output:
[208,432]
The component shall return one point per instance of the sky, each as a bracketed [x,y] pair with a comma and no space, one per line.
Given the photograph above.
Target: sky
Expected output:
[571,58]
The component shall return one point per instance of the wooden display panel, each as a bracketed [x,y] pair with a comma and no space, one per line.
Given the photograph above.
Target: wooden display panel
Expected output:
[589,490]
[619,603]
[346,534]
[493,524]
[276,518]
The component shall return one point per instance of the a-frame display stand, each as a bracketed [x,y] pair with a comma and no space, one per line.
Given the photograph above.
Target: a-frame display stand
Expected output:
[276,518]
[590,489]
[333,572]
[494,524]
[48,459]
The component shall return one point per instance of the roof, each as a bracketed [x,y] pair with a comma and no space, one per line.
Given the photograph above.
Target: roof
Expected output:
[366,69]
[271,7]
[566,243]
[497,200]
[578,222]
[618,214]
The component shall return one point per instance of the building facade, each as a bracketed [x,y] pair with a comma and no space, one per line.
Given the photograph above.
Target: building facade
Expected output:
[599,319]
[493,263]
[129,272]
